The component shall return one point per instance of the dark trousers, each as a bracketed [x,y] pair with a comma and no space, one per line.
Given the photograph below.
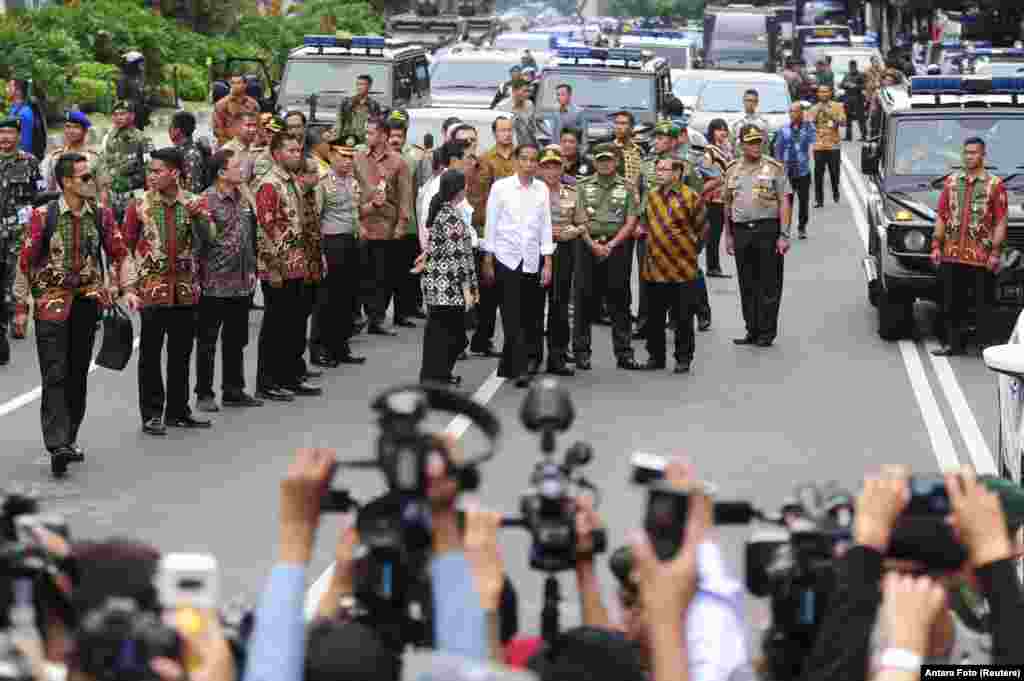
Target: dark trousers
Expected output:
[716,217]
[8,268]
[759,269]
[407,300]
[959,284]
[307,300]
[367,280]
[608,279]
[444,338]
[861,122]
[559,294]
[282,338]
[487,313]
[385,261]
[176,325]
[680,301]
[227,319]
[641,308]
[826,159]
[802,190]
[519,294]
[316,319]
[65,353]
[343,282]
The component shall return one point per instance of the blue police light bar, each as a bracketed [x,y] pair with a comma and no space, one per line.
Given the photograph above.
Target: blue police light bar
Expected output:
[626,54]
[365,42]
[671,35]
[579,53]
[960,85]
[603,54]
[956,43]
[1001,52]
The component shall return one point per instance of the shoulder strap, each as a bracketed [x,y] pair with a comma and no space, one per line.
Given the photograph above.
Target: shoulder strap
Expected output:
[49,227]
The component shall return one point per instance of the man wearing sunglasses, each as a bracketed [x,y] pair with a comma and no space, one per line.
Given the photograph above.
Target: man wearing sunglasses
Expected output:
[64,266]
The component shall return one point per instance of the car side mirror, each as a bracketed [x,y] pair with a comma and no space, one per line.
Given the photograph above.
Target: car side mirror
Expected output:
[869,159]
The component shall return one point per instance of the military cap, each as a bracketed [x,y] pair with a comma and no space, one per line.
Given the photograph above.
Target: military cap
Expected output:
[551,152]
[516,69]
[399,116]
[605,151]
[667,128]
[123,105]
[273,124]
[78,118]
[751,133]
[623,112]
[346,145]
[10,122]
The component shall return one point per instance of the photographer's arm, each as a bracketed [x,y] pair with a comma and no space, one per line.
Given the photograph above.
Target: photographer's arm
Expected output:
[591,604]
[341,583]
[843,647]
[277,645]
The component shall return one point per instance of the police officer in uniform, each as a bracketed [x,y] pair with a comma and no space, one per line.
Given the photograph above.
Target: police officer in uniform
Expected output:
[19,182]
[76,127]
[123,157]
[568,223]
[757,215]
[604,257]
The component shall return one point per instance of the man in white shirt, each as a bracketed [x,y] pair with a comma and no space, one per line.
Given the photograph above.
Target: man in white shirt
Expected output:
[517,237]
[453,157]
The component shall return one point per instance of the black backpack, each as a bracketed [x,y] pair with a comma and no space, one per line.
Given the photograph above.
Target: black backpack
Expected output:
[207,152]
[39,130]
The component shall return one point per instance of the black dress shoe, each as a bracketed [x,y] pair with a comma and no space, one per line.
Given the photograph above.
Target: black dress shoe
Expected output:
[704,324]
[802,234]
[652,365]
[746,340]
[947,351]
[463,356]
[325,360]
[189,421]
[313,373]
[570,358]
[241,400]
[455,380]
[59,459]
[682,368]
[629,364]
[583,363]
[77,453]
[718,274]
[560,370]
[378,330]
[487,352]
[418,314]
[836,197]
[404,323]
[154,426]
[819,205]
[349,358]
[765,342]
[305,388]
[523,381]
[533,368]
[275,394]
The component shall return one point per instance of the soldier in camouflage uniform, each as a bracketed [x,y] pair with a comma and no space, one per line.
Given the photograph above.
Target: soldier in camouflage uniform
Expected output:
[19,182]
[193,176]
[123,157]
[76,126]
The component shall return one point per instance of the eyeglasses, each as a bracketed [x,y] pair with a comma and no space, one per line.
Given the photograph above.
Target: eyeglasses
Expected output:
[87,177]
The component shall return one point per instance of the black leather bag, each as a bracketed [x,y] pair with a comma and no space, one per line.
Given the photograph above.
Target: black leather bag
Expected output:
[118,338]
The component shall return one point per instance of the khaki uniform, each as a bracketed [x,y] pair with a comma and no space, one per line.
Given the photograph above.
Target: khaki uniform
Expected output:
[608,203]
[568,224]
[753,196]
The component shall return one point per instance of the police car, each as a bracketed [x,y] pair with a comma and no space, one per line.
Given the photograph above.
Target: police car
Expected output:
[919,144]
[318,75]
[674,46]
[603,81]
[468,77]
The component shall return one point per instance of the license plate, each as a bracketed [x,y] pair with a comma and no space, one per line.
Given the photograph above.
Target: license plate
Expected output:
[823,33]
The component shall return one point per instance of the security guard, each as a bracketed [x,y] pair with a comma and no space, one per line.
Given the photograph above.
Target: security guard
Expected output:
[19,182]
[757,214]
[568,223]
[604,257]
[123,157]
[76,127]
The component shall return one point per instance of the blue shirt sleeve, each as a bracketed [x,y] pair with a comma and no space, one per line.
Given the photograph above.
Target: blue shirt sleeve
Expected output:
[277,649]
[460,627]
[25,116]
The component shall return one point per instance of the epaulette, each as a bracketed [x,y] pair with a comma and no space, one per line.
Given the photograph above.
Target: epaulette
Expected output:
[772,161]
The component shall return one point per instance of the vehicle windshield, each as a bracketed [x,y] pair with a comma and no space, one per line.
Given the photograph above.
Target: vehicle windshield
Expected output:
[677,56]
[983,66]
[726,96]
[479,74]
[509,41]
[931,147]
[687,86]
[600,91]
[303,78]
[822,13]
[725,52]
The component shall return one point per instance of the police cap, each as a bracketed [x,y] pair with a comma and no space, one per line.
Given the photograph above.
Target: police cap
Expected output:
[751,133]
[605,151]
[552,153]
[78,118]
[667,128]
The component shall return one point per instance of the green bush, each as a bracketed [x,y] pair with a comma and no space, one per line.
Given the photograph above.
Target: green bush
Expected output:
[192,82]
[97,71]
[89,94]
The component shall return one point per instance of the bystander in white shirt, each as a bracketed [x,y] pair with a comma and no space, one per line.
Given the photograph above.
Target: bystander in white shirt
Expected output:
[518,226]
[715,623]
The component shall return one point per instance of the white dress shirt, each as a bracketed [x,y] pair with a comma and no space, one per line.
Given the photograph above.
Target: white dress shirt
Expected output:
[427,193]
[715,630]
[518,227]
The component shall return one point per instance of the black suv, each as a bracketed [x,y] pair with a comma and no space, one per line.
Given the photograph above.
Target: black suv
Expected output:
[918,145]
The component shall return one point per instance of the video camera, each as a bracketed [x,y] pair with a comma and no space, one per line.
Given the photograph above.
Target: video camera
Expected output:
[392,587]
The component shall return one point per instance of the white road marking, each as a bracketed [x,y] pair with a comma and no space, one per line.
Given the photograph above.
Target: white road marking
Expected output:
[457,428]
[938,433]
[31,396]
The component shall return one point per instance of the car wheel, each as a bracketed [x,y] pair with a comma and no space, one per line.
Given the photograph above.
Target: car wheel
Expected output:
[894,315]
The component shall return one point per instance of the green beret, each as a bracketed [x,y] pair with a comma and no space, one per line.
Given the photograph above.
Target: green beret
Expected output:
[123,105]
[667,128]
[10,122]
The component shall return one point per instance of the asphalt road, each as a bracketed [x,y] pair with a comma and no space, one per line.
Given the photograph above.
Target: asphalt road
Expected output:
[829,401]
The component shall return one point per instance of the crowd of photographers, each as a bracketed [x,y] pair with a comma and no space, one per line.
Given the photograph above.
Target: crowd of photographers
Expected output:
[91,611]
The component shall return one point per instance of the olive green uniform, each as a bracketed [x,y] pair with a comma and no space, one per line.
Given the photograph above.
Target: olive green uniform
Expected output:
[122,165]
[608,201]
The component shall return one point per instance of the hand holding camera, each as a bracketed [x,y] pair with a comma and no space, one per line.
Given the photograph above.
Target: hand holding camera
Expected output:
[301,491]
[910,605]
